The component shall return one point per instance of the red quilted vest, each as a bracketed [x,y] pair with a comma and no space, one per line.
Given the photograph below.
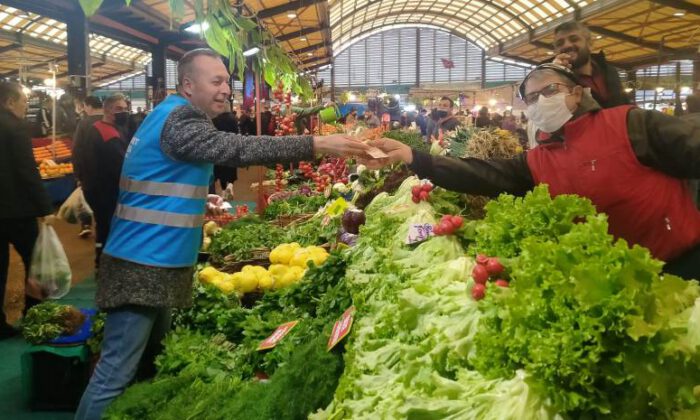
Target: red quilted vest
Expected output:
[644,206]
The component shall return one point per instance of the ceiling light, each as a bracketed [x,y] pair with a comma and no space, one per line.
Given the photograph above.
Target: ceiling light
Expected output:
[492,102]
[679,13]
[302,39]
[599,37]
[550,52]
[628,90]
[252,51]
[659,89]
[291,15]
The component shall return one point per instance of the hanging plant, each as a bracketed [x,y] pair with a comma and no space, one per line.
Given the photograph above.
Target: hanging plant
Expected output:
[230,34]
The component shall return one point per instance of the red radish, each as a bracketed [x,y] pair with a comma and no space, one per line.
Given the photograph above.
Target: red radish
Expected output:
[501,283]
[478,291]
[446,227]
[423,195]
[482,259]
[479,274]
[427,187]
[437,231]
[457,221]
[415,199]
[493,266]
[416,190]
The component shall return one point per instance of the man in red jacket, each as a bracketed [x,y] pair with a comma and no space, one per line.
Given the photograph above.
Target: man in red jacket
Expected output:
[631,163]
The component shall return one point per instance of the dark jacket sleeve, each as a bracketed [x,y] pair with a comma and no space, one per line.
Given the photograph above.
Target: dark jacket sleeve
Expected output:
[665,143]
[475,176]
[27,173]
[189,135]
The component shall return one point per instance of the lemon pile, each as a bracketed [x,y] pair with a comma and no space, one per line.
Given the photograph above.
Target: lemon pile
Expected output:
[289,263]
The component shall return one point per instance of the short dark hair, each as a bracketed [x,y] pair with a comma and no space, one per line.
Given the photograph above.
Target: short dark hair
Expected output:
[9,90]
[445,98]
[693,103]
[184,66]
[111,100]
[571,26]
[93,102]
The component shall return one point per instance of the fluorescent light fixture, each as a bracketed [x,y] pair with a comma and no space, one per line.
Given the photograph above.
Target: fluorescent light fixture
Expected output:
[196,28]
[310,54]
[628,90]
[550,52]
[252,51]
[679,13]
[326,67]
[599,37]
[291,15]
[659,89]
[302,39]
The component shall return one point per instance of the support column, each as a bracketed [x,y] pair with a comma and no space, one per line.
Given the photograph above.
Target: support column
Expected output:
[632,83]
[417,57]
[483,69]
[333,79]
[78,52]
[158,81]
[696,76]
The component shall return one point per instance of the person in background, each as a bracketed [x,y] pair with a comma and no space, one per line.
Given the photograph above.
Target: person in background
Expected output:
[266,121]
[572,46]
[228,123]
[631,163]
[246,124]
[98,162]
[483,120]
[692,114]
[91,113]
[422,121]
[509,123]
[446,120]
[351,118]
[371,119]
[44,118]
[23,195]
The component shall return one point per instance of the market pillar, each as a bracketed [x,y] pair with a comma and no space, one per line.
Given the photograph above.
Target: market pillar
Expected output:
[78,51]
[696,76]
[632,84]
[483,69]
[158,82]
[332,79]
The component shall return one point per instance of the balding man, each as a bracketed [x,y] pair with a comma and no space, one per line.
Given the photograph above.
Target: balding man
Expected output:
[147,265]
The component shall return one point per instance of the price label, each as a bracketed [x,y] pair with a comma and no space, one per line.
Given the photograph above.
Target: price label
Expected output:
[341,328]
[277,336]
[418,232]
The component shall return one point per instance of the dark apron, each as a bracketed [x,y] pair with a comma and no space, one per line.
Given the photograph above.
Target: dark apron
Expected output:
[687,265]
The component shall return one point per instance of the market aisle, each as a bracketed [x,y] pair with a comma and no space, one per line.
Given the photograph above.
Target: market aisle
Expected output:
[80,253]
[82,295]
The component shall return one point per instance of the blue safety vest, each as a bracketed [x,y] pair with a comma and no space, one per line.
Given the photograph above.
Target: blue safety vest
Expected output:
[159,215]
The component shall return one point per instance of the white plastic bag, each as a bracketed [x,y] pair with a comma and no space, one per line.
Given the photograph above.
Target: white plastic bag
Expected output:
[50,268]
[74,206]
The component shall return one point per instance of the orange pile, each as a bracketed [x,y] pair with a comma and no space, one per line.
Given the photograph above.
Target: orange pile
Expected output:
[50,169]
[44,152]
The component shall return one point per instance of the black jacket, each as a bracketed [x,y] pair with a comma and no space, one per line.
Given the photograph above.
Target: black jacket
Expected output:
[22,191]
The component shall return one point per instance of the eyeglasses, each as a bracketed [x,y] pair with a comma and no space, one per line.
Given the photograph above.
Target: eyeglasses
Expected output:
[548,91]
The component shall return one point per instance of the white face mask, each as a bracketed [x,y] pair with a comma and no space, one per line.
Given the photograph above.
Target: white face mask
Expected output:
[550,114]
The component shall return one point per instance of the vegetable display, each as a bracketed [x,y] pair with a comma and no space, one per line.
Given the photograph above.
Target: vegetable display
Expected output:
[532,312]
[49,320]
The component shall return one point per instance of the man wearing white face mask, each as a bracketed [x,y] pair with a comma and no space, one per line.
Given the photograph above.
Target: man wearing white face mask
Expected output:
[631,163]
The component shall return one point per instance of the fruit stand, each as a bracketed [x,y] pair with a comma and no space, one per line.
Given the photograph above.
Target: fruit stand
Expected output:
[55,168]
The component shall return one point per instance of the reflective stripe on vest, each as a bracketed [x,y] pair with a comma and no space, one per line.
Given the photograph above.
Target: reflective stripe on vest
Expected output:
[169,189]
[156,217]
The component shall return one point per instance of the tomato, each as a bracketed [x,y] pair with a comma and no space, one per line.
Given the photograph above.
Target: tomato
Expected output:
[493,266]
[479,274]
[478,291]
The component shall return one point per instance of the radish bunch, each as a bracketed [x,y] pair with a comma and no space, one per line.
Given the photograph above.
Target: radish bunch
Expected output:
[421,192]
[336,168]
[448,225]
[285,125]
[279,176]
[487,268]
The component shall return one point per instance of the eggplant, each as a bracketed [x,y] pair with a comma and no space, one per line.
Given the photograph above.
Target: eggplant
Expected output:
[352,220]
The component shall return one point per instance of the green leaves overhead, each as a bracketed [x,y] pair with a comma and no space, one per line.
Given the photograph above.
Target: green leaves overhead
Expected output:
[91,6]
[230,34]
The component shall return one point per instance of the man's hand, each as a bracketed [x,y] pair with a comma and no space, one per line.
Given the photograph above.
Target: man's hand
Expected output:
[397,151]
[340,145]
[563,59]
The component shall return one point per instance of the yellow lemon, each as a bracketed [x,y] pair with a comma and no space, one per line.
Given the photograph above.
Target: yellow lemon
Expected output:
[208,274]
[248,282]
[266,282]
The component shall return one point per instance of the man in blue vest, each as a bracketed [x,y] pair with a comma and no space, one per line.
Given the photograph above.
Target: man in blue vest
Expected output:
[147,264]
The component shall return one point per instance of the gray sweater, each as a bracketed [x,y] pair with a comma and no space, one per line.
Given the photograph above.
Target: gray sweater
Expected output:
[189,136]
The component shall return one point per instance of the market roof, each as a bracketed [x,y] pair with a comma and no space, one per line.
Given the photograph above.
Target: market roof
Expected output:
[30,42]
